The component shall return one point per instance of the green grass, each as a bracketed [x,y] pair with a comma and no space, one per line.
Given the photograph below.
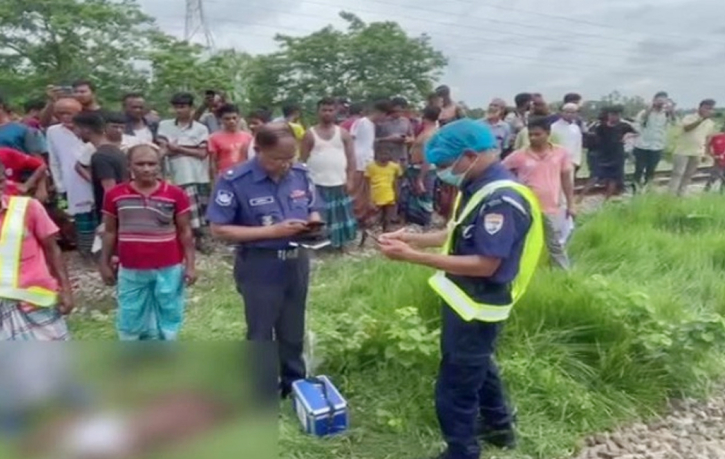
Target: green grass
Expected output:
[637,321]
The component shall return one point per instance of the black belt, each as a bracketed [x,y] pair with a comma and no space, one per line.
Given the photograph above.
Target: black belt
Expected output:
[281,254]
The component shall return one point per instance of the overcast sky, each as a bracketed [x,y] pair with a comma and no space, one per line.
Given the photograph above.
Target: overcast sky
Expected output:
[497,48]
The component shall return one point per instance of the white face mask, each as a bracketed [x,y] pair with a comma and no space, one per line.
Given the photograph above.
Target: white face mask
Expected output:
[447,176]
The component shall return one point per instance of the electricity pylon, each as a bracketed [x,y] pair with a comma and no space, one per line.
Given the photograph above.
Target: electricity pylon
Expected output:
[196,23]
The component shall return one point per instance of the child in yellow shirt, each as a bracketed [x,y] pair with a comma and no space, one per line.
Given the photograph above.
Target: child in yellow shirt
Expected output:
[383,177]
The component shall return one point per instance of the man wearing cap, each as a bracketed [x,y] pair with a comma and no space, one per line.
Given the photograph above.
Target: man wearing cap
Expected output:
[569,133]
[491,249]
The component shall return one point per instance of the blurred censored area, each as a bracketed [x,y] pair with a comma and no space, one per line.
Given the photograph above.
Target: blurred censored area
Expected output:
[138,401]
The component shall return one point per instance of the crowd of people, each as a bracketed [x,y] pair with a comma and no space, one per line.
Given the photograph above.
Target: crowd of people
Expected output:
[92,169]
[138,196]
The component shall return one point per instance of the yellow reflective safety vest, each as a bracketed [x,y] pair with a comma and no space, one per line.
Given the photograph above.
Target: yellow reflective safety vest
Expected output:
[465,306]
[12,235]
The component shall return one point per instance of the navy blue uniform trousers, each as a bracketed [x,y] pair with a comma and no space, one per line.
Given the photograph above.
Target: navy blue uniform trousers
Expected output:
[275,297]
[468,390]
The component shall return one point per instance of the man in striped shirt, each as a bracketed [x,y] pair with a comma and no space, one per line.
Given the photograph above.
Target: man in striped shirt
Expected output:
[148,222]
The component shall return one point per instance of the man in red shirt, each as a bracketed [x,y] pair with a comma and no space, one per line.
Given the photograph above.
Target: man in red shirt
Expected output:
[716,149]
[228,146]
[148,221]
[18,165]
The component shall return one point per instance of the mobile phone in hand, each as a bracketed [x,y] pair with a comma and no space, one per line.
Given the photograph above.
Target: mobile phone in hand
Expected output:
[315,226]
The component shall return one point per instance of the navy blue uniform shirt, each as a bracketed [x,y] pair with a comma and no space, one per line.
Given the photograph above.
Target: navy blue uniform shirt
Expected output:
[246,196]
[496,229]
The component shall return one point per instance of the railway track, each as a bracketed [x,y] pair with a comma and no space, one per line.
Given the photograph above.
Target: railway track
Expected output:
[660,178]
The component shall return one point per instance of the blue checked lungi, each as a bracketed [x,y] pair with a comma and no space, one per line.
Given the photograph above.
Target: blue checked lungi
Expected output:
[338,214]
[150,303]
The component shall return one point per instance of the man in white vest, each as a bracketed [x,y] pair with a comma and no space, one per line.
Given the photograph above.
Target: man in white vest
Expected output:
[491,249]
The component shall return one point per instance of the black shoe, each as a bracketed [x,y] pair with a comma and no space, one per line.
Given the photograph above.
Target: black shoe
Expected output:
[503,438]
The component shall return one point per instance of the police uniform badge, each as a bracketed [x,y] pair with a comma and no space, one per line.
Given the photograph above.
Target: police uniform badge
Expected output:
[493,223]
[224,198]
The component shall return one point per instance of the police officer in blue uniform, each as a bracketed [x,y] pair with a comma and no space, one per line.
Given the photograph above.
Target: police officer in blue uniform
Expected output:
[490,251]
[262,205]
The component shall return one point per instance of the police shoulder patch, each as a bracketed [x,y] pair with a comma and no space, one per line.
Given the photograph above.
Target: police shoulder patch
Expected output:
[224,198]
[493,223]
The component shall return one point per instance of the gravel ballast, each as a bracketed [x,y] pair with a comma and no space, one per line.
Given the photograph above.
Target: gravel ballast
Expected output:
[693,430]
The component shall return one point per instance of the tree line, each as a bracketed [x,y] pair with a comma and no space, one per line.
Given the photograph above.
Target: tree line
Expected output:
[121,49]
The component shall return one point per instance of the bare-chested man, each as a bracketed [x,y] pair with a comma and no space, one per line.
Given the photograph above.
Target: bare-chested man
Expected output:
[420,175]
[450,111]
[329,153]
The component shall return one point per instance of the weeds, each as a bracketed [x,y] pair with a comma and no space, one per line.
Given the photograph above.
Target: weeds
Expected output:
[637,321]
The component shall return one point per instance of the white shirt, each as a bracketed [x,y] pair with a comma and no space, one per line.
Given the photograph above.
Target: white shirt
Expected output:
[363,135]
[570,137]
[653,130]
[127,142]
[327,162]
[251,151]
[64,151]
[186,170]
[144,135]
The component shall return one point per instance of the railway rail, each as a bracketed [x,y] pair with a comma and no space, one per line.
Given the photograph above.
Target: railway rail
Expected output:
[661,178]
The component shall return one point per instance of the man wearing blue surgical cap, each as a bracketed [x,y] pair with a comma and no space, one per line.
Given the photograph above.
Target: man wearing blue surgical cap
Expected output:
[491,249]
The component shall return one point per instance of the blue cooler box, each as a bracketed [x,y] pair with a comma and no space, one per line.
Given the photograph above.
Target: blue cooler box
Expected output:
[319,406]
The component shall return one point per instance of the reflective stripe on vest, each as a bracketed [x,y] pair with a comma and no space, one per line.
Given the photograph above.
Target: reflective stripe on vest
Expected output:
[11,244]
[456,297]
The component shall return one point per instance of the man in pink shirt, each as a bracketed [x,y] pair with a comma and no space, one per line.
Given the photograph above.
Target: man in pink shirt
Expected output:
[228,146]
[35,292]
[548,171]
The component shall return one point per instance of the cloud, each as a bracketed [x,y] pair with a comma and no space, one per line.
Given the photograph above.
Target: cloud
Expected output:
[500,49]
